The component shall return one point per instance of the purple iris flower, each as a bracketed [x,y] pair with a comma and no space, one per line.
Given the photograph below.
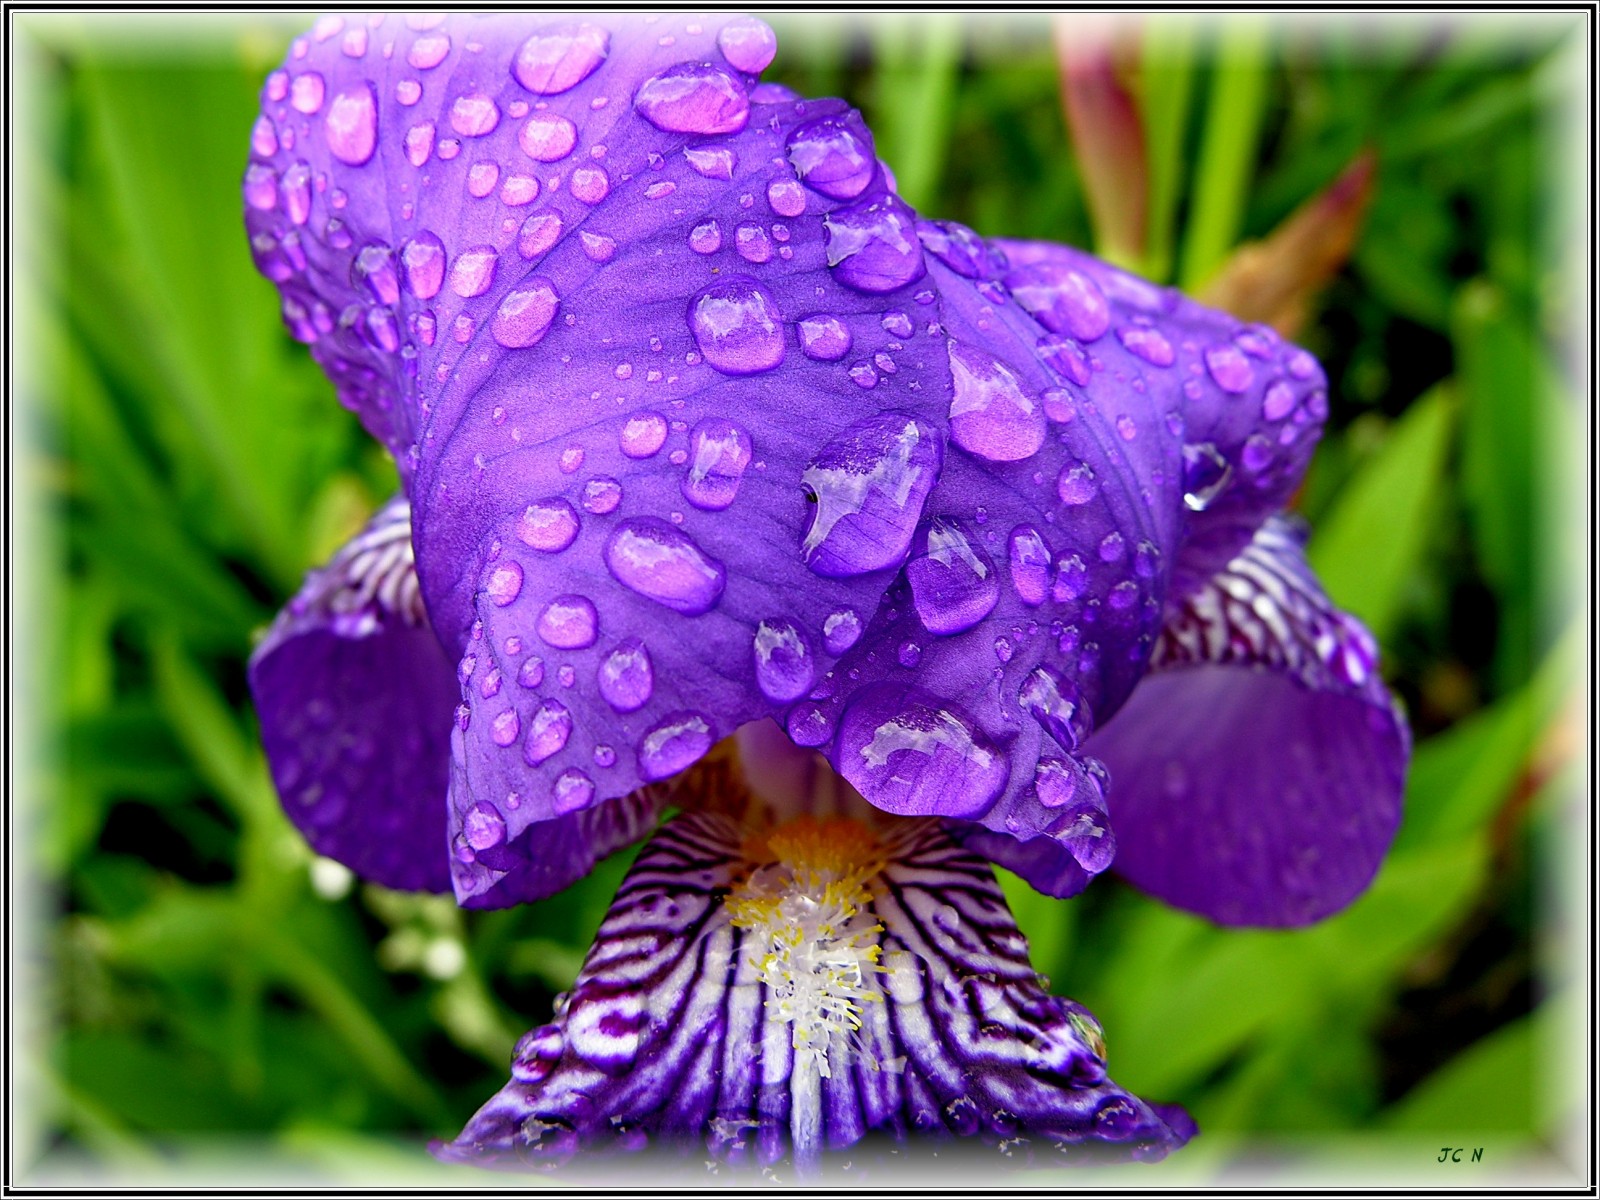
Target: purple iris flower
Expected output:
[702,429]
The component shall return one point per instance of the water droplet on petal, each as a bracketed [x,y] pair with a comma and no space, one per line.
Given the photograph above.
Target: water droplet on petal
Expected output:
[1229,367]
[956,246]
[504,728]
[519,190]
[711,162]
[1206,474]
[306,92]
[571,792]
[786,197]
[428,51]
[569,623]
[1148,344]
[868,485]
[597,247]
[693,98]
[558,58]
[918,759]
[263,138]
[658,561]
[719,453]
[525,314]
[1030,565]
[824,338]
[834,155]
[1111,547]
[483,826]
[784,667]
[953,584]
[590,185]
[748,44]
[626,677]
[261,187]
[706,237]
[548,525]
[873,247]
[503,583]
[602,494]
[472,274]
[296,187]
[539,232]
[1256,456]
[737,326]
[547,137]
[1055,704]
[642,434]
[840,631]
[990,415]
[672,744]
[373,268]
[531,673]
[1278,402]
[1063,300]
[548,731]
[481,178]
[1072,580]
[352,125]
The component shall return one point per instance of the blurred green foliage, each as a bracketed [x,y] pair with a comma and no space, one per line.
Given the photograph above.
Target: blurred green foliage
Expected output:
[203,975]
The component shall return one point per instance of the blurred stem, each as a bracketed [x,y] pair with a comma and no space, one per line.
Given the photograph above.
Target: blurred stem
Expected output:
[1227,150]
[97,1126]
[914,90]
[1166,77]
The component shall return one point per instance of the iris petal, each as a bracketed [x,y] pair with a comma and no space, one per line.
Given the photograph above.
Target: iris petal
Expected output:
[1259,769]
[677,1034]
[354,694]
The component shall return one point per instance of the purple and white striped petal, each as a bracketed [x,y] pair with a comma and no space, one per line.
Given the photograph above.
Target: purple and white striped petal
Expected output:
[1259,767]
[761,999]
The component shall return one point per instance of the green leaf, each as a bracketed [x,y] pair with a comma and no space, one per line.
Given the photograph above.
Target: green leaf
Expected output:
[1368,547]
[914,97]
[1492,1087]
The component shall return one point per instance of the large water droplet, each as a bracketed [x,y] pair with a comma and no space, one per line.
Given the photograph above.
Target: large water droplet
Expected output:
[706,237]
[474,115]
[1278,402]
[571,792]
[1030,565]
[1056,705]
[661,562]
[525,314]
[1229,367]
[1062,300]
[481,178]
[693,98]
[748,44]
[873,247]
[602,494]
[642,434]
[1147,343]
[672,744]
[548,525]
[990,415]
[548,731]
[953,583]
[472,274]
[306,92]
[840,631]
[539,232]
[569,623]
[428,51]
[956,246]
[590,185]
[712,162]
[918,758]
[627,677]
[737,326]
[483,826]
[785,670]
[504,728]
[786,197]
[547,137]
[422,262]
[719,453]
[824,338]
[1206,475]
[868,485]
[559,57]
[373,268]
[503,582]
[352,125]
[834,155]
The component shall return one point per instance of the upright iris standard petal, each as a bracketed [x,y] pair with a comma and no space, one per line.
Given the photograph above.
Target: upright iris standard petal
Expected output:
[1259,768]
[354,694]
[925,499]
[756,999]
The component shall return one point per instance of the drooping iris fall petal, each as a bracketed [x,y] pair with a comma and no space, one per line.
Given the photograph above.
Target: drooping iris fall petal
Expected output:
[759,998]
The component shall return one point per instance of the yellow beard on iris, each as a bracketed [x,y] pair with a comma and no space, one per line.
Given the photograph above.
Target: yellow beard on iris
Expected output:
[808,911]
